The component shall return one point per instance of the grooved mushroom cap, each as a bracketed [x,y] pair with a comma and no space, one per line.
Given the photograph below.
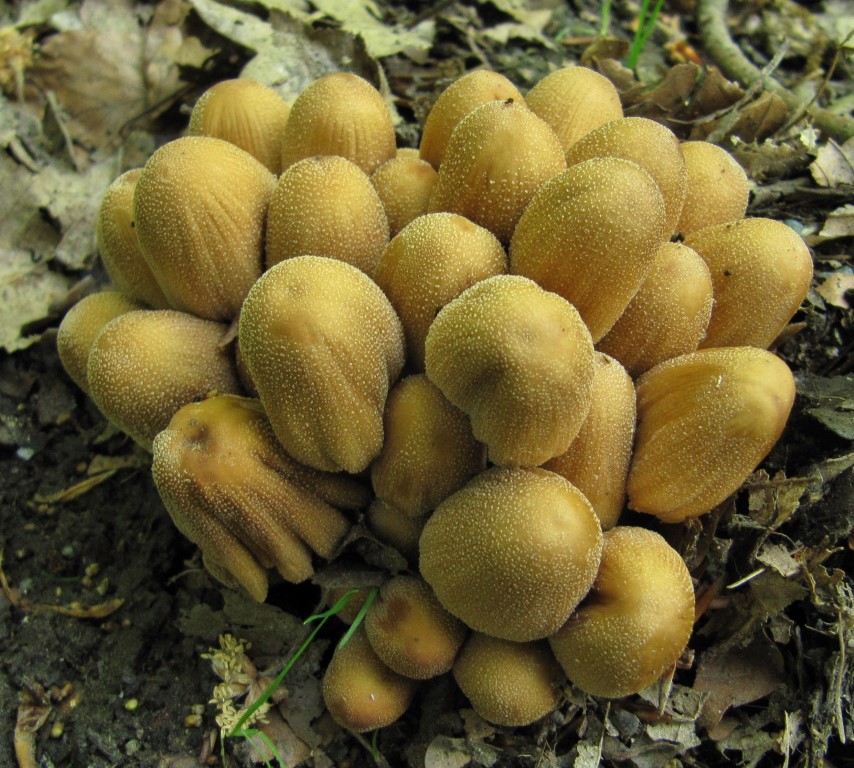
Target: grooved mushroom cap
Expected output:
[404,185]
[119,246]
[512,553]
[323,345]
[519,361]
[498,156]
[245,113]
[761,271]
[81,326]
[200,206]
[326,206]
[705,421]
[508,683]
[432,261]
[340,114]
[575,101]
[590,235]
[410,630]
[230,488]
[636,621]
[649,144]
[460,98]
[360,692]
[145,365]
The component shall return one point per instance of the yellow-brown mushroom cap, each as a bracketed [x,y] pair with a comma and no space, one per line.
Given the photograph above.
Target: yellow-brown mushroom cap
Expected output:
[404,185]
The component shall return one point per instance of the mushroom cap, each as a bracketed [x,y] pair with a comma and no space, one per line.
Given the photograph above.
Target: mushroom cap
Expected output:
[323,345]
[245,113]
[410,630]
[326,206]
[512,553]
[519,361]
[705,421]
[498,156]
[404,185]
[145,365]
[200,206]
[340,114]
[393,527]
[590,234]
[460,98]
[507,683]
[636,621]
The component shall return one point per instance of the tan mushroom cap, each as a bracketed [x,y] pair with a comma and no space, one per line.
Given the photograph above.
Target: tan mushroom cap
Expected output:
[404,185]
[145,365]
[519,361]
[326,206]
[81,326]
[340,114]
[410,630]
[200,206]
[360,691]
[230,488]
[507,683]
[512,553]
[636,621]
[393,527]
[590,235]
[705,421]
[323,346]
[245,113]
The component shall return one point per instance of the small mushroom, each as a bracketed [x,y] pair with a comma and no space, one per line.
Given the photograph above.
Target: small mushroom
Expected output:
[404,185]
[393,527]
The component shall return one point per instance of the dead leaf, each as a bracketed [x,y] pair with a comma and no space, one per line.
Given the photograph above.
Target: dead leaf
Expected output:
[80,611]
[839,223]
[835,287]
[834,165]
[34,708]
[831,401]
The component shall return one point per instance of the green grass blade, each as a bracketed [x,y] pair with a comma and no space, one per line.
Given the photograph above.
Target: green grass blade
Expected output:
[359,617]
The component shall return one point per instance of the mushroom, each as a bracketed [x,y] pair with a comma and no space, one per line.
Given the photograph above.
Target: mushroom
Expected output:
[512,553]
[636,621]
[323,345]
[230,488]
[404,185]
[393,527]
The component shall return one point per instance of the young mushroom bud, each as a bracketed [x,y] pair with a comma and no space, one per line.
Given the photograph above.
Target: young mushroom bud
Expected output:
[230,488]
[326,206]
[410,630]
[429,450]
[519,361]
[649,144]
[323,345]
[404,185]
[432,261]
[636,621]
[394,528]
[200,207]
[119,247]
[705,421]
[575,101]
[147,364]
[669,314]
[340,114]
[360,691]
[245,113]
[507,683]
[597,462]
[81,326]
[498,157]
[512,553]
[460,98]
[590,235]
[761,271]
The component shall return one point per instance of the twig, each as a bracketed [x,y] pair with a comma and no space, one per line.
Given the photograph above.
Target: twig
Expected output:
[711,20]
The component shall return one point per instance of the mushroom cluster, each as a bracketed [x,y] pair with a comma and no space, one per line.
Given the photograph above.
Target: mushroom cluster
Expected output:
[482,352]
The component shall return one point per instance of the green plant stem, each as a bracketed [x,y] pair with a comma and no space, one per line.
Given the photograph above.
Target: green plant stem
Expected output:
[646,23]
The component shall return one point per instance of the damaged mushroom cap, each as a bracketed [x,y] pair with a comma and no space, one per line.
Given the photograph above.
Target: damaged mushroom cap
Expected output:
[360,691]
[519,361]
[705,421]
[512,553]
[200,206]
[393,527]
[507,683]
[245,113]
[404,185]
[340,114]
[323,345]
[636,621]
[230,487]
[145,365]
[326,206]
[410,630]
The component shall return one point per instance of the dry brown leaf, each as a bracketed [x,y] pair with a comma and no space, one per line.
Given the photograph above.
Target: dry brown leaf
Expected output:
[839,223]
[834,165]
[33,711]
[835,289]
